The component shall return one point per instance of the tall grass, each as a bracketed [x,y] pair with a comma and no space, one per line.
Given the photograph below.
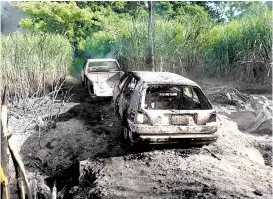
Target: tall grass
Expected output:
[177,44]
[241,49]
[31,65]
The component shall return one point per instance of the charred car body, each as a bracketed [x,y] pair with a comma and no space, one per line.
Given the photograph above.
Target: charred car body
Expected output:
[163,107]
[99,76]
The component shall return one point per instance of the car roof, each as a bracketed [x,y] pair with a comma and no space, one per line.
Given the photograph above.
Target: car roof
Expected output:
[150,77]
[101,60]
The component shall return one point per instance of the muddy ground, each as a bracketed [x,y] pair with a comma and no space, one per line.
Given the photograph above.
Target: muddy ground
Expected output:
[77,144]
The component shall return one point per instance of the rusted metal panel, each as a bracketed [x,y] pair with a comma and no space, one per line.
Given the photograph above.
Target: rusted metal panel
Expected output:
[164,117]
[172,129]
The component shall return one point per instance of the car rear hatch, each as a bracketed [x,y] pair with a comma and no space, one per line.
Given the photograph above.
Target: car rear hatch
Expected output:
[180,117]
[177,105]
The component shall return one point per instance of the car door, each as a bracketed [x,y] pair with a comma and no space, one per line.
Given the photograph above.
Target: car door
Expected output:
[135,101]
[118,88]
[125,94]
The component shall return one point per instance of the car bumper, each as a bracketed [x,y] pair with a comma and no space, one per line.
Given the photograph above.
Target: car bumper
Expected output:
[189,139]
[174,134]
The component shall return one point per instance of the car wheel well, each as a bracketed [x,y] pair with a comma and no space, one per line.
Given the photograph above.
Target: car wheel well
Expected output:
[90,87]
[116,106]
[85,81]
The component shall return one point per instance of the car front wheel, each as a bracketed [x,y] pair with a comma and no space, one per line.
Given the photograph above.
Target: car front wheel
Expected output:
[90,88]
[125,133]
[128,136]
[131,138]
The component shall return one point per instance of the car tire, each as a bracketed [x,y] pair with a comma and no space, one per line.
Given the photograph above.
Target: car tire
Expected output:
[85,82]
[131,140]
[128,137]
[125,133]
[91,91]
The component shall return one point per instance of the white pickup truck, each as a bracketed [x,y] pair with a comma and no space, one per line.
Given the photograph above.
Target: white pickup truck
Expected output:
[99,76]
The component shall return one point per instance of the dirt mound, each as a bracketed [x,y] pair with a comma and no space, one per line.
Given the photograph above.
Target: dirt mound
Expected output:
[228,95]
[219,170]
[264,128]
[73,140]
[251,112]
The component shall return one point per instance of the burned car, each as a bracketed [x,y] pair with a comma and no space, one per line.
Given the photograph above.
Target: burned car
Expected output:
[99,76]
[163,107]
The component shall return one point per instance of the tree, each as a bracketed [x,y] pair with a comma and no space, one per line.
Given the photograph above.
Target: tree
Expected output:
[133,9]
[66,19]
[225,11]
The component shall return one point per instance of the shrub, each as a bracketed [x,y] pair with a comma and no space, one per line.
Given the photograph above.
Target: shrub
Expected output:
[78,64]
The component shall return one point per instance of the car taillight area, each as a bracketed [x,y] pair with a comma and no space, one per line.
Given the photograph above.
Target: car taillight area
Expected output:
[212,118]
[142,118]
[175,117]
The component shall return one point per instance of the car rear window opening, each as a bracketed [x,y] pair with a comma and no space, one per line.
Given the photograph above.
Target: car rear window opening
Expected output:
[164,97]
[103,66]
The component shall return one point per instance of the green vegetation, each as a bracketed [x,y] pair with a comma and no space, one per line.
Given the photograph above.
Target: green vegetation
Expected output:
[220,39]
[241,48]
[62,18]
[31,65]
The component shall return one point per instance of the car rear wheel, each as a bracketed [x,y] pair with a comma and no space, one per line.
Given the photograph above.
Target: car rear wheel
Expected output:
[90,89]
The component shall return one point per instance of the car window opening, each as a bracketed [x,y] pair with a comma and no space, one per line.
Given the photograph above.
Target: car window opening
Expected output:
[103,66]
[175,97]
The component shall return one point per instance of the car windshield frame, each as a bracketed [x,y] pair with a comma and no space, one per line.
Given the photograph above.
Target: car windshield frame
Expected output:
[203,100]
[102,66]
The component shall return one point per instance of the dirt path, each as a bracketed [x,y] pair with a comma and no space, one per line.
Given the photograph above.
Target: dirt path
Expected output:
[89,134]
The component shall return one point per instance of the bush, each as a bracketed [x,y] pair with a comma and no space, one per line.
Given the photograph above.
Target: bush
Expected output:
[78,64]
[31,64]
